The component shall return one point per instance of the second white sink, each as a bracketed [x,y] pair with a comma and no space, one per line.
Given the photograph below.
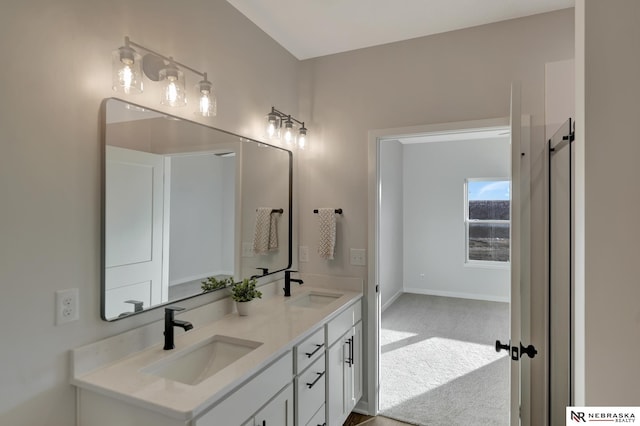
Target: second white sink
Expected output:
[203,360]
[314,299]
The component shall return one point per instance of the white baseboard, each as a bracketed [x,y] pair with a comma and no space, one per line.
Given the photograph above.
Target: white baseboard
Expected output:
[456,294]
[362,407]
[390,301]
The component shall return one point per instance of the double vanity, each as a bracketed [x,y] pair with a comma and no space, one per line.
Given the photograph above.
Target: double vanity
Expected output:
[293,361]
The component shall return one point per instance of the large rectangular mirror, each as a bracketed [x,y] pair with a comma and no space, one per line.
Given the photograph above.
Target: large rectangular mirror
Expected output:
[183,202]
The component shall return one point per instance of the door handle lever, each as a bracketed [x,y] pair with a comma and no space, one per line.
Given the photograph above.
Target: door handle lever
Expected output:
[500,346]
[529,350]
[515,351]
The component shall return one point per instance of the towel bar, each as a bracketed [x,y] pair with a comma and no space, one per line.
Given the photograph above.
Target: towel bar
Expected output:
[338,211]
[281,211]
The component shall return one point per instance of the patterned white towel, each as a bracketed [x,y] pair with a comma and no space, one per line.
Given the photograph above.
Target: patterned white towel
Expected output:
[266,235]
[327,222]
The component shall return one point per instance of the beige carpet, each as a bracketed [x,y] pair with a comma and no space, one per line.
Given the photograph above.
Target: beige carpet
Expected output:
[439,365]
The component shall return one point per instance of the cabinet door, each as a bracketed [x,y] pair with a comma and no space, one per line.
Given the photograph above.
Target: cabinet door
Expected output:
[278,412]
[336,381]
[353,368]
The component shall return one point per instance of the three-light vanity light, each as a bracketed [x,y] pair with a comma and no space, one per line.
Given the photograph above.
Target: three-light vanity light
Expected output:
[129,67]
[276,120]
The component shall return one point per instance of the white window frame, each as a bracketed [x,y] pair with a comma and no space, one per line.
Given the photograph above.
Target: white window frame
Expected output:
[499,264]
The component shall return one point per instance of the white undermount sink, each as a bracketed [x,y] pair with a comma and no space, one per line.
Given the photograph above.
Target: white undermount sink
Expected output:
[314,299]
[203,360]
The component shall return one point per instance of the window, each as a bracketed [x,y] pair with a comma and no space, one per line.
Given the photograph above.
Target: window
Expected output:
[487,220]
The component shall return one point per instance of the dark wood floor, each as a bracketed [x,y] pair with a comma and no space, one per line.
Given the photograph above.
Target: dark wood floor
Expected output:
[357,419]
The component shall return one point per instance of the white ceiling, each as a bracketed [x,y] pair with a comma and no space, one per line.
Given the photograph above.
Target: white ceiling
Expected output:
[311,28]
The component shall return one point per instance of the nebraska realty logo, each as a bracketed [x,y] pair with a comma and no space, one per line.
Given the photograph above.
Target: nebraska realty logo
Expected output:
[577,415]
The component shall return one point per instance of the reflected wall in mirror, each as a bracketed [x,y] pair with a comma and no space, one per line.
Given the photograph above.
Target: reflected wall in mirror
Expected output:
[182,202]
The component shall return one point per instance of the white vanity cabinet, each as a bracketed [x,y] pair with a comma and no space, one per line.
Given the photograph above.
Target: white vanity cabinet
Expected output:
[310,377]
[278,412]
[255,397]
[307,371]
[344,364]
[269,395]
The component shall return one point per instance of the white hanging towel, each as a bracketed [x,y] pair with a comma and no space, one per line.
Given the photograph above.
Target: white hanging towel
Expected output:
[327,222]
[266,235]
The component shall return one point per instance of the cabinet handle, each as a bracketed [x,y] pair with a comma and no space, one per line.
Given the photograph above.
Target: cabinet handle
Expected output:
[349,355]
[264,423]
[312,384]
[318,347]
[351,350]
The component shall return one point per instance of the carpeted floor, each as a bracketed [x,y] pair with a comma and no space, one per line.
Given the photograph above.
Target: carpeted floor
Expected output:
[439,365]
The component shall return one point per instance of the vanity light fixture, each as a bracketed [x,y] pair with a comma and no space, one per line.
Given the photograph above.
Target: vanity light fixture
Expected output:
[276,119]
[127,71]
[208,105]
[129,67]
[173,89]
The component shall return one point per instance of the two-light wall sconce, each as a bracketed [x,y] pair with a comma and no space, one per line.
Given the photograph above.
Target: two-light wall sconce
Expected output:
[129,67]
[276,120]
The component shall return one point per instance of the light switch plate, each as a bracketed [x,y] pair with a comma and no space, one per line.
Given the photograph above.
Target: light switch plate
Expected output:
[358,257]
[247,250]
[303,254]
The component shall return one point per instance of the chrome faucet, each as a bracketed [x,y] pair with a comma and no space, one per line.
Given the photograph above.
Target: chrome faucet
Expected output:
[287,282]
[170,322]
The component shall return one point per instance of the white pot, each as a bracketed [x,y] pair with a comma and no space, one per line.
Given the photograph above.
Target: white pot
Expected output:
[244,307]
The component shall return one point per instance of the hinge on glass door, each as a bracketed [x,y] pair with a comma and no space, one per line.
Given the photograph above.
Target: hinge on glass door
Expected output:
[377,288]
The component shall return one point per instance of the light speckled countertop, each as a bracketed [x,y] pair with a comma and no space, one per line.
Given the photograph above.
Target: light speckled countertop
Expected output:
[278,325]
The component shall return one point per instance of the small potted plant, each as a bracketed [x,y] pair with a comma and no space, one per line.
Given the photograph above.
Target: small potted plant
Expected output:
[243,293]
[212,283]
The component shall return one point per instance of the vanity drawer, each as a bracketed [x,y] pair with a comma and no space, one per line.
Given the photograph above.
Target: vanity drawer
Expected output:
[246,401]
[343,322]
[310,349]
[310,390]
[318,419]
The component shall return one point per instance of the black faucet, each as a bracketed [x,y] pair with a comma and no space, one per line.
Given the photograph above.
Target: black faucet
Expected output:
[169,323]
[287,282]
[265,271]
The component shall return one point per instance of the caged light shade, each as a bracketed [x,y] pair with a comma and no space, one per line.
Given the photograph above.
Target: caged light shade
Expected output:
[126,70]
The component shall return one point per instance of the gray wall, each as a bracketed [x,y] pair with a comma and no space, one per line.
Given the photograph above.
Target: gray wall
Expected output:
[607,173]
[456,76]
[60,70]
[391,222]
[434,232]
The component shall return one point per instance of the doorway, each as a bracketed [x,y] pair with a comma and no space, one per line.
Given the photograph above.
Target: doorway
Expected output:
[376,291]
[445,278]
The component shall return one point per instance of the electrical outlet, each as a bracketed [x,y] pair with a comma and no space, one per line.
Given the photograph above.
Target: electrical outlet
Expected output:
[303,254]
[358,257]
[67,306]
